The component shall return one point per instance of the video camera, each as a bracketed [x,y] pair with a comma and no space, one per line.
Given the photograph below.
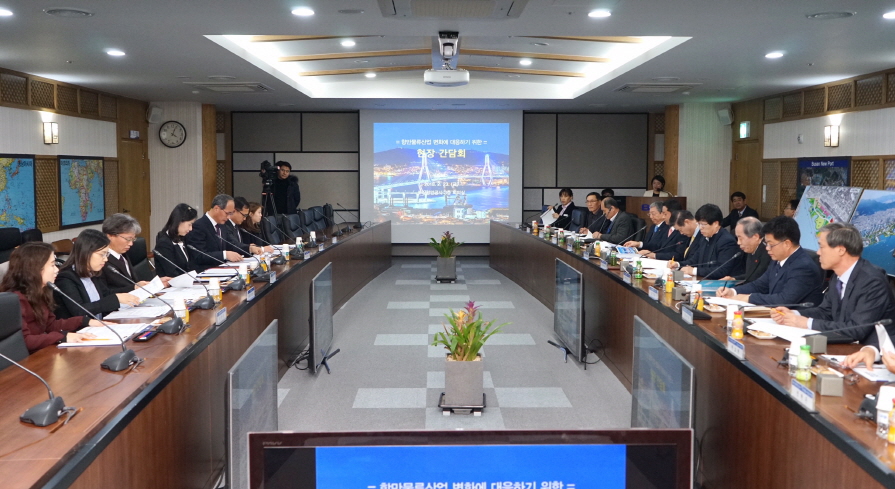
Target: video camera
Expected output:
[268,173]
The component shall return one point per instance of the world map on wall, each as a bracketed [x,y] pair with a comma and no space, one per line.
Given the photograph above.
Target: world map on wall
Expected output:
[17,209]
[82,193]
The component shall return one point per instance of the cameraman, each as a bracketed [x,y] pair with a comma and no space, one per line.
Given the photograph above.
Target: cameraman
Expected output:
[286,194]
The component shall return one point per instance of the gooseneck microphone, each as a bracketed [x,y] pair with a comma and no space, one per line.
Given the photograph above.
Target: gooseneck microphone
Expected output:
[622,242]
[237,284]
[801,304]
[735,255]
[338,231]
[280,259]
[118,361]
[206,302]
[45,413]
[357,225]
[259,274]
[171,326]
[666,247]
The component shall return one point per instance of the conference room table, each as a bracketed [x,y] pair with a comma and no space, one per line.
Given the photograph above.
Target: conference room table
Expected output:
[162,425]
[750,432]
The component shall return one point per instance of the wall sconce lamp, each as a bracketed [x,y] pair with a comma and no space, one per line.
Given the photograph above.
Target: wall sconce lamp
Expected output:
[831,136]
[51,132]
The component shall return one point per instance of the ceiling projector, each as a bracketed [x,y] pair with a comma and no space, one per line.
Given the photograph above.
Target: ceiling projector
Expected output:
[446,78]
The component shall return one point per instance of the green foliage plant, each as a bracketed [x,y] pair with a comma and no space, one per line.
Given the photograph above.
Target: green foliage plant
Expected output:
[466,333]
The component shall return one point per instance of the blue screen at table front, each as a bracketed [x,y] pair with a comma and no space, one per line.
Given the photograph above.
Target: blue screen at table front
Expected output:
[482,466]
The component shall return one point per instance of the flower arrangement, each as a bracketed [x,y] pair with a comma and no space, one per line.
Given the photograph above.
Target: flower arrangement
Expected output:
[467,333]
[446,246]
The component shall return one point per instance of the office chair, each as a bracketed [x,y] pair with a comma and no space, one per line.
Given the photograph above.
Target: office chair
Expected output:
[12,341]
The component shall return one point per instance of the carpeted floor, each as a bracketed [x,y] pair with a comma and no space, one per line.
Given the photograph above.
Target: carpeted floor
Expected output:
[386,377]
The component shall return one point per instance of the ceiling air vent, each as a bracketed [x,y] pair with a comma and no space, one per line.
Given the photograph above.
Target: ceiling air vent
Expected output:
[230,87]
[656,87]
[452,9]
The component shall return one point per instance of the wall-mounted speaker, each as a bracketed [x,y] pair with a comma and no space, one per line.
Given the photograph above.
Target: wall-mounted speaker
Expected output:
[725,116]
[154,114]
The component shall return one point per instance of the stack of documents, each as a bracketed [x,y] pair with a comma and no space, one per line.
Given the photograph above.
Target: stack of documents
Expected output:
[104,337]
[138,312]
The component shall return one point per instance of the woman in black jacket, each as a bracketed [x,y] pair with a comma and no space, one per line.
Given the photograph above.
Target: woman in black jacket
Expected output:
[79,279]
[169,241]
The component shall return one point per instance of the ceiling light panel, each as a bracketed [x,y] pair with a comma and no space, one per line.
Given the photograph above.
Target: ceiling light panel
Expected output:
[5,13]
[302,11]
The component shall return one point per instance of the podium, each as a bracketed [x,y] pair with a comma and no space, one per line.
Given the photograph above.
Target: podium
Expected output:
[639,206]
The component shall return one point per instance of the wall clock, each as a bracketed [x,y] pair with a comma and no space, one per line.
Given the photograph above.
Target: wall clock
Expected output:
[172,134]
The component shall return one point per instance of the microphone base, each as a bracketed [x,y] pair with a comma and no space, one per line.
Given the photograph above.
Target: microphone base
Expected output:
[261,277]
[358,226]
[120,361]
[45,413]
[171,326]
[278,261]
[237,284]
[204,303]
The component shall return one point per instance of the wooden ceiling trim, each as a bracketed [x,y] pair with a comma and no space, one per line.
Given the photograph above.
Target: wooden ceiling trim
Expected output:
[518,71]
[611,39]
[555,57]
[359,54]
[297,38]
[353,71]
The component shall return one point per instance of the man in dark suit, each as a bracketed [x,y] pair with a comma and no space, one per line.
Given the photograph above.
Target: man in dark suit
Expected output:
[562,212]
[740,210]
[207,231]
[593,217]
[674,244]
[858,294]
[692,240]
[656,234]
[751,241]
[122,231]
[716,258]
[232,233]
[617,226]
[792,277]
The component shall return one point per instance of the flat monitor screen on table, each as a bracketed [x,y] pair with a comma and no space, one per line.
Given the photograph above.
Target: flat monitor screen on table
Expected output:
[321,316]
[568,309]
[472,459]
[662,389]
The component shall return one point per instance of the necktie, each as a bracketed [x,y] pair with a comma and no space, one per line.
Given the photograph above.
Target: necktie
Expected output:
[689,245]
[610,227]
[217,227]
[839,288]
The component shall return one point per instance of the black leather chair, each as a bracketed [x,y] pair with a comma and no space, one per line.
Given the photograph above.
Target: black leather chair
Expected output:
[319,219]
[307,219]
[9,239]
[294,225]
[269,232]
[139,259]
[12,342]
[577,219]
[639,225]
[32,235]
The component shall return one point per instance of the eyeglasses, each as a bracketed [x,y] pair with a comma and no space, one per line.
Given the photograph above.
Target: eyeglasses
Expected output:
[104,254]
[129,240]
[590,201]
[769,245]
[228,214]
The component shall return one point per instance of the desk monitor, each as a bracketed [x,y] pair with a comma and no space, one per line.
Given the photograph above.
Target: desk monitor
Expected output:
[568,310]
[641,459]
[251,402]
[321,320]
[662,390]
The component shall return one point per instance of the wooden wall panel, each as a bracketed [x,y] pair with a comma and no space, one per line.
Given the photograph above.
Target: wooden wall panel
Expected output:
[789,175]
[770,181]
[110,177]
[866,173]
[46,179]
[209,152]
[890,174]
[672,147]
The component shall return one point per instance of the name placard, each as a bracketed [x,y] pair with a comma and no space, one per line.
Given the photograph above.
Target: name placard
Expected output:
[803,395]
[320,248]
[604,264]
[585,255]
[250,292]
[627,277]
[307,255]
[736,348]
[687,315]
[653,293]
[220,316]
[273,276]
[335,239]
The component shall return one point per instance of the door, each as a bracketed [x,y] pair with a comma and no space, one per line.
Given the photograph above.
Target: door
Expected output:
[745,173]
[133,183]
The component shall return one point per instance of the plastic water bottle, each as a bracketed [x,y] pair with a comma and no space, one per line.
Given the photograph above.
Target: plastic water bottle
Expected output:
[803,372]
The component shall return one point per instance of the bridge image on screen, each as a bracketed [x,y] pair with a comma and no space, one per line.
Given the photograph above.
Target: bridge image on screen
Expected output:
[433,173]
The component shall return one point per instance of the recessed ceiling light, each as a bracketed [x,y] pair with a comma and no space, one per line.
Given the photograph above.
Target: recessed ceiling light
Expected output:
[221,77]
[525,62]
[540,44]
[774,55]
[5,13]
[351,11]
[348,43]
[458,105]
[379,105]
[599,14]
[889,15]
[830,15]
[303,11]
[115,52]
[361,61]
[514,76]
[71,13]
[665,79]
[370,75]
[183,77]
[196,91]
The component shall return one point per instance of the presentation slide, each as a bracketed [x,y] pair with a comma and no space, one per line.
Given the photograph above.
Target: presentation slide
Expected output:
[483,466]
[431,172]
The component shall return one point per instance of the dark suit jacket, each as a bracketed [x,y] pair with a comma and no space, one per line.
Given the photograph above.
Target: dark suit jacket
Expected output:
[115,283]
[248,237]
[734,216]
[691,248]
[718,249]
[657,238]
[565,218]
[232,234]
[756,264]
[593,220]
[799,280]
[867,298]
[621,228]
[171,251]
[670,250]
[205,238]
[70,283]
